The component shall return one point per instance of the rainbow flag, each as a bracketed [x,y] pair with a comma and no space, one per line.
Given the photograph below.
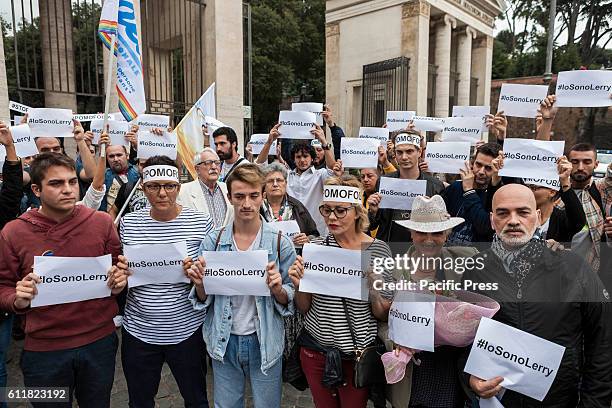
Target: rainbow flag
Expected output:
[119,18]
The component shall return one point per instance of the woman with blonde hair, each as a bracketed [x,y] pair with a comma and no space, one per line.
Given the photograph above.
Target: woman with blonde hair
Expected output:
[334,324]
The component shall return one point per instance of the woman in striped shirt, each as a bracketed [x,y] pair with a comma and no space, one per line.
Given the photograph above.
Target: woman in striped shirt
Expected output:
[327,326]
[160,325]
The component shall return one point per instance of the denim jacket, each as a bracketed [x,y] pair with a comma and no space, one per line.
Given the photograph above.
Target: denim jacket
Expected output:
[270,323]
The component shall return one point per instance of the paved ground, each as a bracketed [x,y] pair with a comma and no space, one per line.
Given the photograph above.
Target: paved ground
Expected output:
[168,394]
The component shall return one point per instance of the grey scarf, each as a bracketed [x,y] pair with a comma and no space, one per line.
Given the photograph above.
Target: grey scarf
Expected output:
[519,262]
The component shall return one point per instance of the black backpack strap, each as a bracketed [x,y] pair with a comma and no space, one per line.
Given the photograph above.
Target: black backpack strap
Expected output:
[219,238]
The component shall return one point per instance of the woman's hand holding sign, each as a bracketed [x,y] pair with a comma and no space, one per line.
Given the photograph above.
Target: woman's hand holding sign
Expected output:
[26,290]
[117,275]
[296,272]
[195,272]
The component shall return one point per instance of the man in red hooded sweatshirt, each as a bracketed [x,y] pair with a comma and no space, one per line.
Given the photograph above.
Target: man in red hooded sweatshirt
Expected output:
[72,344]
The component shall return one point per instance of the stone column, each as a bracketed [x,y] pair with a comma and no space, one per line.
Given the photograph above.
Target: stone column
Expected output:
[464,64]
[58,59]
[482,65]
[415,45]
[4,97]
[333,87]
[444,28]
[229,65]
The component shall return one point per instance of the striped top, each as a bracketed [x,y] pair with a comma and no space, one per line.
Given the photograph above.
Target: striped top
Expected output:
[162,313]
[326,320]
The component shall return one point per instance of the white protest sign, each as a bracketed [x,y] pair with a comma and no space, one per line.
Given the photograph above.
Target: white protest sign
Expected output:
[554,184]
[156,263]
[359,153]
[380,134]
[147,122]
[257,141]
[71,279]
[212,124]
[289,227]
[18,107]
[296,125]
[316,108]
[116,131]
[462,129]
[447,157]
[50,122]
[2,156]
[584,88]
[479,111]
[521,100]
[527,363]
[399,193]
[427,123]
[531,158]
[23,140]
[88,117]
[150,144]
[411,320]
[236,273]
[118,116]
[333,271]
[492,402]
[398,120]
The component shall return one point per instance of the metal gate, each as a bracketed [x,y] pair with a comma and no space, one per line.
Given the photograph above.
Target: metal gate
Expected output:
[385,88]
[52,46]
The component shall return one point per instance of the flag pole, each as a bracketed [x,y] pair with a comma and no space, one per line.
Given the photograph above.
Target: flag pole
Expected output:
[109,83]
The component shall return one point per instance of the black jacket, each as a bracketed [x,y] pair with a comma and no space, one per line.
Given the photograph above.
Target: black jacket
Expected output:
[565,303]
[301,216]
[11,192]
[564,223]
[390,231]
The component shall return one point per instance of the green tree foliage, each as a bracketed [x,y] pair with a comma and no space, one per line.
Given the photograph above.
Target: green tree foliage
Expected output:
[288,54]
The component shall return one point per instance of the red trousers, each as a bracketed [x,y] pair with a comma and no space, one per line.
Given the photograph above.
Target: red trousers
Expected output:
[347,396]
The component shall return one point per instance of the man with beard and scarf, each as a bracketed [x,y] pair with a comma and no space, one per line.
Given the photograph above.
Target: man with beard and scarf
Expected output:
[120,172]
[226,143]
[470,197]
[552,295]
[207,194]
[596,199]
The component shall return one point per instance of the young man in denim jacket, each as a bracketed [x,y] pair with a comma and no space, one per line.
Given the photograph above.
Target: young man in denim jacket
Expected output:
[244,335]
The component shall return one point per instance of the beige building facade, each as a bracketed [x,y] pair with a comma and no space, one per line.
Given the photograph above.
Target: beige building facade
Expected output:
[420,55]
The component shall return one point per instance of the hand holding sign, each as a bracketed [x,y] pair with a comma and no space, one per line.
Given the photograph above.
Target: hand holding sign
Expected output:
[467,177]
[497,125]
[6,138]
[26,290]
[296,271]
[486,388]
[195,273]
[117,275]
[275,281]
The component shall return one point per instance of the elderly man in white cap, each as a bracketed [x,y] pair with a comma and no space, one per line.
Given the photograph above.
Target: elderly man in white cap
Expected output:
[407,153]
[430,225]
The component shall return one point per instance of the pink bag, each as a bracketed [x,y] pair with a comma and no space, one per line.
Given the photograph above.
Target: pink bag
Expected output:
[395,365]
[457,319]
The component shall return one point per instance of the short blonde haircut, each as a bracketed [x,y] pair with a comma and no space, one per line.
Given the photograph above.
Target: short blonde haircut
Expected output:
[362,222]
[249,174]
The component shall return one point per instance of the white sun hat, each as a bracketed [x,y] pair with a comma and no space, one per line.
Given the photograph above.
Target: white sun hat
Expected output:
[430,215]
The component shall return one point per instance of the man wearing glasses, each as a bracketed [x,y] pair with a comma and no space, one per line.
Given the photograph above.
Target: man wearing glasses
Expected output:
[207,194]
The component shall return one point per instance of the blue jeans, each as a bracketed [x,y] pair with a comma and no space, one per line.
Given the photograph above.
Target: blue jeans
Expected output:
[6,326]
[88,371]
[242,359]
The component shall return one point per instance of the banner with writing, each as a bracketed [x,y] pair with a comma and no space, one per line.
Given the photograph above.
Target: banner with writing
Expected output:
[314,107]
[380,134]
[50,122]
[400,193]
[521,100]
[156,263]
[116,131]
[462,129]
[257,141]
[23,140]
[426,123]
[150,144]
[411,320]
[584,88]
[236,273]
[531,158]
[359,153]
[296,125]
[447,157]
[398,120]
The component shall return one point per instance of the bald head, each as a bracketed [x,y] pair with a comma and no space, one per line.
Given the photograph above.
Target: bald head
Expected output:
[515,216]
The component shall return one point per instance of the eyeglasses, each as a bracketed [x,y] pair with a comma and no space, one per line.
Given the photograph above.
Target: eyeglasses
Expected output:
[155,188]
[209,162]
[277,180]
[339,212]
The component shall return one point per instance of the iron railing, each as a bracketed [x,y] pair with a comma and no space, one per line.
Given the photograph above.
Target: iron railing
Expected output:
[385,88]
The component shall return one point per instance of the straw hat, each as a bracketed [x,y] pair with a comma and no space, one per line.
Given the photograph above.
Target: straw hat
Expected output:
[430,215]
